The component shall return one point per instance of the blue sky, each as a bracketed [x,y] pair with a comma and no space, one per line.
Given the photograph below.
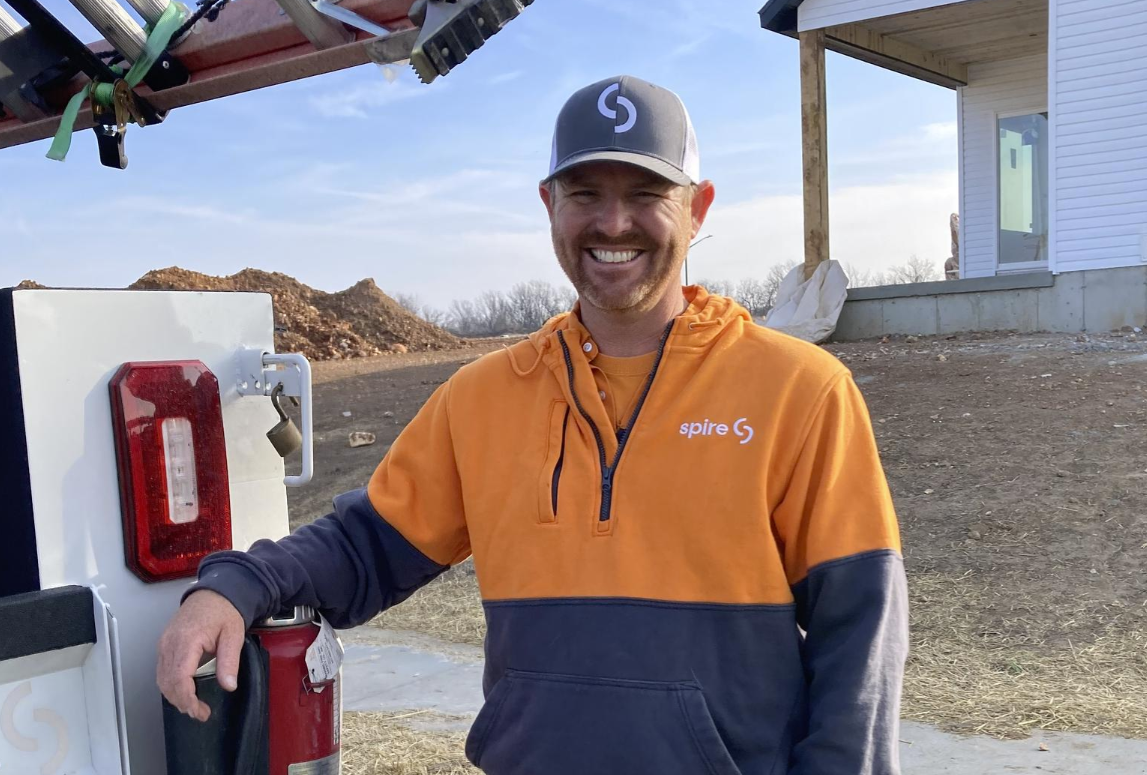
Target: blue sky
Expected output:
[432,190]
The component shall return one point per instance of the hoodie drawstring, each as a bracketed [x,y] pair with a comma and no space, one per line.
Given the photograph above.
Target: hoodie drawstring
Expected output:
[699,324]
[514,363]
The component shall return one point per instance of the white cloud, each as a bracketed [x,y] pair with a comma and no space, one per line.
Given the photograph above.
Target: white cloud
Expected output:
[503,78]
[941,131]
[358,101]
[931,146]
[189,210]
[689,47]
[871,227]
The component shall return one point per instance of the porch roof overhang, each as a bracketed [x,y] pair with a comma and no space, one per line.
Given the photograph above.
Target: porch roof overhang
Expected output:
[936,44]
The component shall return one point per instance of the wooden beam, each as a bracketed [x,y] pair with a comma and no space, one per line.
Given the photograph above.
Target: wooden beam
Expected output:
[814,144]
[859,42]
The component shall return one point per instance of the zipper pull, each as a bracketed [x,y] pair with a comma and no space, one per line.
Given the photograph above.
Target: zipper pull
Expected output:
[606,500]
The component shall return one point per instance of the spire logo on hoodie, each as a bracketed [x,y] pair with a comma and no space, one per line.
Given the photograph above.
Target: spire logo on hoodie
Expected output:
[741,429]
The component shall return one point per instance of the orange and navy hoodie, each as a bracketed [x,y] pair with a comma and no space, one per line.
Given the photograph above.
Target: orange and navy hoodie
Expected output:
[717,589]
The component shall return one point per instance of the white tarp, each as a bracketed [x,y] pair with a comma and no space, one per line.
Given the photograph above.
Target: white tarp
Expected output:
[809,309]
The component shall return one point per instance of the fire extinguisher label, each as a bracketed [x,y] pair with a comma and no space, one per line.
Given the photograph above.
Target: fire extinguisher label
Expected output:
[328,765]
[325,655]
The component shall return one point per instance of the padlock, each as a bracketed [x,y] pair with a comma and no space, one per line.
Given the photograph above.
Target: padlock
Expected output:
[284,437]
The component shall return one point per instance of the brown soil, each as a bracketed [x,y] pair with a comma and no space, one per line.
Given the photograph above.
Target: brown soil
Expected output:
[382,395]
[1018,468]
[359,322]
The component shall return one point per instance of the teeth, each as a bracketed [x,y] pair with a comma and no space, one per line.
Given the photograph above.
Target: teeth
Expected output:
[614,256]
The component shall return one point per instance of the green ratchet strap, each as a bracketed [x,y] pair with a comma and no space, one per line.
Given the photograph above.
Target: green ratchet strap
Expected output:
[153,49]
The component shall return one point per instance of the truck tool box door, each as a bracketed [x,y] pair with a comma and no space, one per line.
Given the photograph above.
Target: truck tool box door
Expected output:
[59,351]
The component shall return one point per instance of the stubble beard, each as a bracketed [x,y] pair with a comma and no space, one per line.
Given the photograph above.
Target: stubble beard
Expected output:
[663,266]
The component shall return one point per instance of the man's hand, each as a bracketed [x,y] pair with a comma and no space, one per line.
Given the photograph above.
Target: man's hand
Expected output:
[205,623]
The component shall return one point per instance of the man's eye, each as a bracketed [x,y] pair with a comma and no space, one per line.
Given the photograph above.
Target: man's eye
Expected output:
[583,193]
[648,195]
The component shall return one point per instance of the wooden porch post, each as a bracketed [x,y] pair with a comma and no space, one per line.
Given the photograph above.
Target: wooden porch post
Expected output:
[814,143]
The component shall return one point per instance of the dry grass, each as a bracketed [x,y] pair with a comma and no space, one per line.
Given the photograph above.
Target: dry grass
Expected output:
[386,744]
[961,676]
[449,608]
[965,677]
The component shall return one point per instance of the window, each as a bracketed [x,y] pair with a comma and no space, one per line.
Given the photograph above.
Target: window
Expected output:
[1023,189]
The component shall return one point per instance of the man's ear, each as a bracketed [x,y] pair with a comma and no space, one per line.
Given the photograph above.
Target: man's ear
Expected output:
[546,192]
[702,201]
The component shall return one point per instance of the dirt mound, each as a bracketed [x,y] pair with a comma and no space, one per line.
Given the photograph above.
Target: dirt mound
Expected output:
[358,322]
[29,285]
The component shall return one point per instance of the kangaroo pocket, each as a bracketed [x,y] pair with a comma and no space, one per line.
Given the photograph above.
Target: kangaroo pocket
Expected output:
[544,724]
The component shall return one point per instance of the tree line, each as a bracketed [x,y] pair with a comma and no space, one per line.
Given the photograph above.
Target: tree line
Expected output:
[528,305]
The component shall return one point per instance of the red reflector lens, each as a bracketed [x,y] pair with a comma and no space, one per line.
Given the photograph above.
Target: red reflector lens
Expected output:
[172,461]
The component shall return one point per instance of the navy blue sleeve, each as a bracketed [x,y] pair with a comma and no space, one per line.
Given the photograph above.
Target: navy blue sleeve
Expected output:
[855,614]
[349,565]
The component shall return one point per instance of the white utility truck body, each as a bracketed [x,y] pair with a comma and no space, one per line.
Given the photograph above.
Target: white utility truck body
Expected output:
[79,697]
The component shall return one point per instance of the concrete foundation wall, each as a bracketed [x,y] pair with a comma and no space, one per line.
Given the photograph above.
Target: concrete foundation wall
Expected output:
[1099,300]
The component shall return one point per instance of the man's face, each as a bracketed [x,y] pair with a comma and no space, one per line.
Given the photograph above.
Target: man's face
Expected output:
[621,232]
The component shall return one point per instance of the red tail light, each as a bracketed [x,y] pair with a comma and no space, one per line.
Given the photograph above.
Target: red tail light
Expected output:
[172,466]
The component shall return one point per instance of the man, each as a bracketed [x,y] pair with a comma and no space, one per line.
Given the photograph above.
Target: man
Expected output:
[659,497]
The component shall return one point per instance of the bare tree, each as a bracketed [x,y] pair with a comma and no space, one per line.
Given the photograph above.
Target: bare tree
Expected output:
[409,301]
[533,303]
[915,270]
[773,279]
[753,295]
[435,316]
[568,297]
[719,287]
[463,318]
[494,314]
[864,278]
[525,308]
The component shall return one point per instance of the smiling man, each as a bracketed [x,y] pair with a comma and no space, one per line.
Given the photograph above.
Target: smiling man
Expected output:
[684,540]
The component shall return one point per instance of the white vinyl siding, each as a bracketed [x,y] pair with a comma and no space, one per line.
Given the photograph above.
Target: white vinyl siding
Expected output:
[1099,151]
[815,14]
[1009,87]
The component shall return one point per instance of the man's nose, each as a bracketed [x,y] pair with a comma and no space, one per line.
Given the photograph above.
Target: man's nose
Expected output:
[614,218]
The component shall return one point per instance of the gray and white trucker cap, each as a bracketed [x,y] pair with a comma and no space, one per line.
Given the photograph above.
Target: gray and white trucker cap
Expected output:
[628,120]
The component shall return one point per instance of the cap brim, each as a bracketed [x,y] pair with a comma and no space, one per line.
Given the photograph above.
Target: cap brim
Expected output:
[651,163]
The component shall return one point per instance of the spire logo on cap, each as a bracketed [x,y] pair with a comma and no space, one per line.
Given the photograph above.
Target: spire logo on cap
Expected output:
[611,113]
[644,125]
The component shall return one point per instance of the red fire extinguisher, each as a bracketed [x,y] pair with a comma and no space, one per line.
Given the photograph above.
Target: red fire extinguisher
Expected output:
[277,722]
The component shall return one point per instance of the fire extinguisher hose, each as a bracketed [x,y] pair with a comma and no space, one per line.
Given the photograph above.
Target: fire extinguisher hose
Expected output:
[253,719]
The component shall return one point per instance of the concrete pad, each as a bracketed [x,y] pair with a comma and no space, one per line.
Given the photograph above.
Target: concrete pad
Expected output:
[860,320]
[913,315]
[1060,308]
[393,678]
[1009,311]
[925,750]
[958,312]
[1114,298]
